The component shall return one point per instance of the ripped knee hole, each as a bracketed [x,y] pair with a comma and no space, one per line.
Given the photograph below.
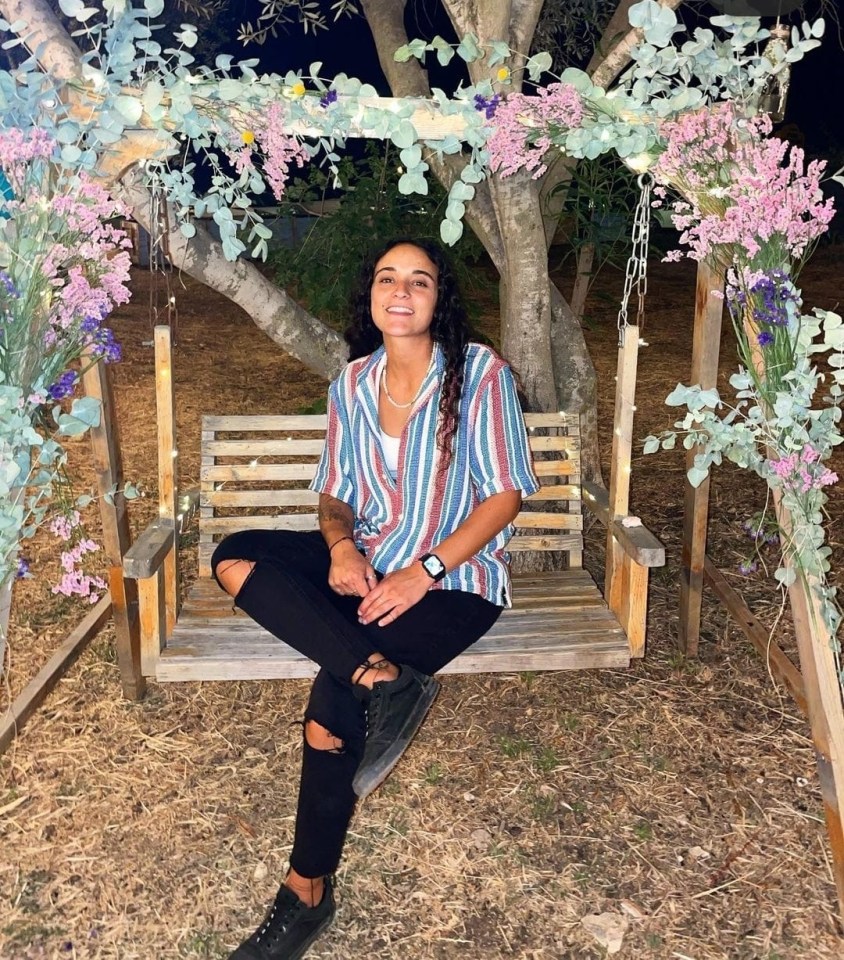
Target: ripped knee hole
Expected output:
[318,737]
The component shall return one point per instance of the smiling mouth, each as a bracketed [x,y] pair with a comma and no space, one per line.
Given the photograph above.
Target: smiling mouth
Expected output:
[403,311]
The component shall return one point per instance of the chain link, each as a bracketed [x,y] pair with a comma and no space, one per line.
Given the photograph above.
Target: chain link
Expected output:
[636,274]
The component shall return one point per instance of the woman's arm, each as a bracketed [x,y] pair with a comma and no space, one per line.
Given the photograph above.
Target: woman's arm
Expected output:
[400,590]
[350,573]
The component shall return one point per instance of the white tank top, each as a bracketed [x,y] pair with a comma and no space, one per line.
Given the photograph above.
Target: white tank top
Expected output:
[390,449]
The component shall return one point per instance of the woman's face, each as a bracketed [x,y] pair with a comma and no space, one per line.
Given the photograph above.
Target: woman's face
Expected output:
[404,293]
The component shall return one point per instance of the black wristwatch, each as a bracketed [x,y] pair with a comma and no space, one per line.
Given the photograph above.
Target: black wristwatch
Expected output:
[433,566]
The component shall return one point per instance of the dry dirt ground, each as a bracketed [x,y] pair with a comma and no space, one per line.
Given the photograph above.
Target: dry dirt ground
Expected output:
[679,796]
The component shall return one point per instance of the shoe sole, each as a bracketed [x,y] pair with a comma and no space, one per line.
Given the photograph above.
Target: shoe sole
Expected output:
[363,785]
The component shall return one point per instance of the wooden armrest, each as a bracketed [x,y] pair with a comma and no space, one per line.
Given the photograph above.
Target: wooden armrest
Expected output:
[637,542]
[147,553]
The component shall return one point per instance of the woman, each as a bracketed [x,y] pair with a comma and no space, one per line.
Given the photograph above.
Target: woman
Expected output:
[424,467]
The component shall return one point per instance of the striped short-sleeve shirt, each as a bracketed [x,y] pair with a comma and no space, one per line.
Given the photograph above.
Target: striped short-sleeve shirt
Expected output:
[399,518]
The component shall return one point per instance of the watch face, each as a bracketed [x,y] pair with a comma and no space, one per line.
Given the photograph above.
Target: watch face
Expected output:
[433,565]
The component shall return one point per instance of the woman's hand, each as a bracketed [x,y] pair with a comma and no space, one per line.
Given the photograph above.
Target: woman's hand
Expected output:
[397,592]
[351,574]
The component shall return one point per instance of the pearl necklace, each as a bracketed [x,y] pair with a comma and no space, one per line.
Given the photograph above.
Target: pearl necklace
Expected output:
[404,406]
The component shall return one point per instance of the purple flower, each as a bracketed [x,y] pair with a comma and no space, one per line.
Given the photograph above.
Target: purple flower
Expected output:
[64,386]
[90,324]
[748,566]
[106,346]
[765,338]
[487,106]
[23,568]
[327,99]
[9,285]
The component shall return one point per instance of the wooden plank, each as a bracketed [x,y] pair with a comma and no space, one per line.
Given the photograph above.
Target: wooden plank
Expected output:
[244,422]
[37,690]
[259,498]
[618,499]
[283,447]
[287,521]
[543,444]
[168,464]
[637,542]
[776,661]
[563,420]
[634,607]
[706,345]
[153,617]
[528,520]
[558,468]
[823,700]
[148,552]
[200,660]
[555,491]
[260,472]
[519,543]
[108,466]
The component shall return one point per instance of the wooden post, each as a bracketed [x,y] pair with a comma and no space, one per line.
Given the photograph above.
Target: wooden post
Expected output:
[617,578]
[108,464]
[168,469]
[709,307]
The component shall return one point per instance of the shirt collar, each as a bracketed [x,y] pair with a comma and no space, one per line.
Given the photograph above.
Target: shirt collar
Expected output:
[366,390]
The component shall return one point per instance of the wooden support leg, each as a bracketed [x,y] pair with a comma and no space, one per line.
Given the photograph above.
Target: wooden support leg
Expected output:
[622,446]
[105,445]
[823,700]
[634,612]
[124,610]
[705,350]
[153,615]
[168,473]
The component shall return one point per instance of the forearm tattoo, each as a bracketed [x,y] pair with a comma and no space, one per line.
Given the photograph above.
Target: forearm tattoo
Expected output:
[332,509]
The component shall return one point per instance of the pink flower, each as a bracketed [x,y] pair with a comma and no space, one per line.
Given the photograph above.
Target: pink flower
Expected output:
[746,189]
[524,126]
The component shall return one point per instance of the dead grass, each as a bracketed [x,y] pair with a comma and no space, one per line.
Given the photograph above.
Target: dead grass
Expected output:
[680,794]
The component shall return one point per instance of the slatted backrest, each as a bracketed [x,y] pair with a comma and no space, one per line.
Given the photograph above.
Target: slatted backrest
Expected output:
[255,473]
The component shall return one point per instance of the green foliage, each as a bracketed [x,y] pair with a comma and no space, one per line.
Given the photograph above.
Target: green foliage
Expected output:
[321,269]
[598,204]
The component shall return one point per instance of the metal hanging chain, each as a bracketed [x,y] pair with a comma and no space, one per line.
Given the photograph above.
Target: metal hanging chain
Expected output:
[159,263]
[636,273]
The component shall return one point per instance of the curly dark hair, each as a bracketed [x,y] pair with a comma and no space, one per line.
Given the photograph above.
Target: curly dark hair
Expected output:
[449,328]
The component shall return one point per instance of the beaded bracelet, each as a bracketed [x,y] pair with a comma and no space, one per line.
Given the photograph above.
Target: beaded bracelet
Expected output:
[333,545]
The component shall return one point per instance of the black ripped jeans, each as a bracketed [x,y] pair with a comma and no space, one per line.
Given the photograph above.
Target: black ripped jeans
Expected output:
[287,593]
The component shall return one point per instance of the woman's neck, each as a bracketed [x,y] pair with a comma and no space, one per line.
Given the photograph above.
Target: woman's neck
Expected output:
[408,361]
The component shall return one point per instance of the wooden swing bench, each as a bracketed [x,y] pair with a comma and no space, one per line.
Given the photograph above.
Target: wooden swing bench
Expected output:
[254,475]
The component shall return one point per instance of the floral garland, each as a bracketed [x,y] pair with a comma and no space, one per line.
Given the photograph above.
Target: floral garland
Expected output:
[64,266]
[750,203]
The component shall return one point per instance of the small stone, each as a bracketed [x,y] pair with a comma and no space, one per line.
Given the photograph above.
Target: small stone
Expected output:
[481,839]
[607,928]
[260,872]
[698,853]
[469,797]
[633,909]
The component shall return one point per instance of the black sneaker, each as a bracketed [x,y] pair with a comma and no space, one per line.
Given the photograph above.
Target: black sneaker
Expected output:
[394,713]
[289,929]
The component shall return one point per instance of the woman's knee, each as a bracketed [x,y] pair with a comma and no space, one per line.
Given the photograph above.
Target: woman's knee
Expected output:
[231,574]
[320,738]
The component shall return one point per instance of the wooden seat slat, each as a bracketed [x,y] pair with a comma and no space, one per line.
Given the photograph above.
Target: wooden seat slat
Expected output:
[559,621]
